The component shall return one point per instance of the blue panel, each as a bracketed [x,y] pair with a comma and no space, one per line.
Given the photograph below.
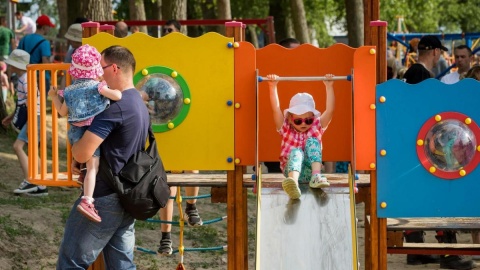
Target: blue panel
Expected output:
[403,183]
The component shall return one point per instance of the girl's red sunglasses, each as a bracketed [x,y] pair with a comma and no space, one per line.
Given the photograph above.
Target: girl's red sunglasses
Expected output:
[299,121]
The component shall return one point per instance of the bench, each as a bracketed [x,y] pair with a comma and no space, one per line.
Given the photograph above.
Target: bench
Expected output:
[396,226]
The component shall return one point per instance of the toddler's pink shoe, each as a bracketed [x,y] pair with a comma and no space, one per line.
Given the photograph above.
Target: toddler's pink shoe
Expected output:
[88,210]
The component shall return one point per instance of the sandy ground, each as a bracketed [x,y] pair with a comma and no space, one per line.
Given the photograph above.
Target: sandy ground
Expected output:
[31,228]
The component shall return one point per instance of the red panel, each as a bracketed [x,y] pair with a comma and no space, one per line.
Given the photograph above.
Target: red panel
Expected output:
[245,95]
[364,91]
[307,60]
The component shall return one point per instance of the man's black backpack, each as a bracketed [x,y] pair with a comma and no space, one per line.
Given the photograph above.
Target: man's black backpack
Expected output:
[142,183]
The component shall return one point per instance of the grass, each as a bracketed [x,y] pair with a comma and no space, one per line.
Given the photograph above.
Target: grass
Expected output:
[13,228]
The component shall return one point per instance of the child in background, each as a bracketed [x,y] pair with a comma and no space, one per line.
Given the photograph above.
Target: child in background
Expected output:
[301,127]
[4,80]
[17,63]
[473,73]
[84,99]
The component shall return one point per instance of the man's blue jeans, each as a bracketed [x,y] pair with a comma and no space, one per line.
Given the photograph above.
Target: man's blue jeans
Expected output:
[83,240]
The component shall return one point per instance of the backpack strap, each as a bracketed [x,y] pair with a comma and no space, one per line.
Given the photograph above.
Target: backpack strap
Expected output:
[34,47]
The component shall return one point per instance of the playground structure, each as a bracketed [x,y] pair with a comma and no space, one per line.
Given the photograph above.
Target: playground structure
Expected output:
[351,137]
[217,77]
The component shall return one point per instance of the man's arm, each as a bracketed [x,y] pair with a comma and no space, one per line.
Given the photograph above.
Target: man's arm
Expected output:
[45,60]
[83,149]
[13,44]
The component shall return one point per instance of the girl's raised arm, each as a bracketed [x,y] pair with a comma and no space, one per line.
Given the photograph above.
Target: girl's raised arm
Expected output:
[326,116]
[277,112]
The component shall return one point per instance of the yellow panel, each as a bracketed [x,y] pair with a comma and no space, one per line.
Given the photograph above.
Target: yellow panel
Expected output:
[205,140]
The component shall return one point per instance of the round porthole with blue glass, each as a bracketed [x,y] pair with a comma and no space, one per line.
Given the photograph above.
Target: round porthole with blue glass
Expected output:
[166,96]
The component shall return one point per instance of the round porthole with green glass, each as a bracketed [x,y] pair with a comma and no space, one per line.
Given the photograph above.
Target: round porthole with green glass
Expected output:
[166,95]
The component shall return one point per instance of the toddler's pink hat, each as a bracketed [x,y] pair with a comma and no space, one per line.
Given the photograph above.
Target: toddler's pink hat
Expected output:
[3,66]
[86,63]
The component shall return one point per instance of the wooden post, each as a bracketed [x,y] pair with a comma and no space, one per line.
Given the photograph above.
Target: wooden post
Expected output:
[371,12]
[90,29]
[235,29]
[237,225]
[381,44]
[373,243]
[107,28]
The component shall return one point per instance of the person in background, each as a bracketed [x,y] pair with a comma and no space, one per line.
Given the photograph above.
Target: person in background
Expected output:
[74,39]
[27,24]
[17,63]
[7,39]
[121,29]
[4,83]
[38,47]
[463,58]
[171,26]
[289,43]
[134,29]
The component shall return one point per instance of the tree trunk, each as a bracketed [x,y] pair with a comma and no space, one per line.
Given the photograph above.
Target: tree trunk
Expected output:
[208,12]
[224,13]
[62,8]
[97,10]
[253,35]
[299,21]
[137,13]
[354,22]
[175,9]
[278,9]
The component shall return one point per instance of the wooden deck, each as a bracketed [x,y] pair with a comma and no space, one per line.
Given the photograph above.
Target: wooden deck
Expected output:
[268,180]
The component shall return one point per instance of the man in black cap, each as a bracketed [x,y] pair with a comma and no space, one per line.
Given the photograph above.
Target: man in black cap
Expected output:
[429,50]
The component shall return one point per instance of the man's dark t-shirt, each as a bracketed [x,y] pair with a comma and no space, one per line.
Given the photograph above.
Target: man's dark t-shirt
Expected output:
[416,73]
[124,128]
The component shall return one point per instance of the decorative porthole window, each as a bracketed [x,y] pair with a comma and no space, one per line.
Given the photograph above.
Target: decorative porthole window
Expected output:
[166,95]
[447,145]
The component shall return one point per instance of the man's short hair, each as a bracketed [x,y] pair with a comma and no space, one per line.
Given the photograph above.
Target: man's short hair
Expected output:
[464,47]
[287,42]
[121,30]
[175,23]
[121,56]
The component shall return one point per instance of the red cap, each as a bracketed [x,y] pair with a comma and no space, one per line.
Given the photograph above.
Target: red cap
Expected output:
[44,20]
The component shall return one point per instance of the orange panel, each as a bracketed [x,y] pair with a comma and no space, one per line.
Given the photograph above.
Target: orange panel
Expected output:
[364,95]
[307,60]
[245,96]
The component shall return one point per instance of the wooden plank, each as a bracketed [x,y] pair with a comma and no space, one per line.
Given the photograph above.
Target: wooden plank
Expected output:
[268,180]
[432,224]
[436,248]
[440,245]
[395,239]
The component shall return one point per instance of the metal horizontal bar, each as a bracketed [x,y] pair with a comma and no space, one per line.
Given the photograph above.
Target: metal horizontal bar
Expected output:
[311,78]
